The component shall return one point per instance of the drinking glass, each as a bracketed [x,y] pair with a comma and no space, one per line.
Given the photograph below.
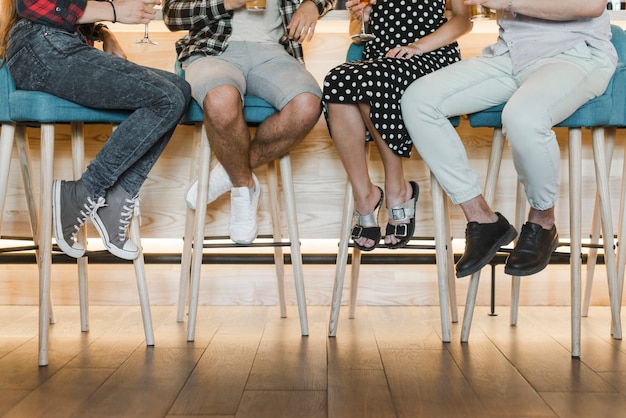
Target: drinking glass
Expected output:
[363,36]
[146,39]
[255,6]
[478,12]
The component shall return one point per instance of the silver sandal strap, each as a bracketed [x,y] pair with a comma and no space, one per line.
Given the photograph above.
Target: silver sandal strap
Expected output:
[402,212]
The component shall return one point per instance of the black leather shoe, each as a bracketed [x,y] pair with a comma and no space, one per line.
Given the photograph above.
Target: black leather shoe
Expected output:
[482,242]
[532,251]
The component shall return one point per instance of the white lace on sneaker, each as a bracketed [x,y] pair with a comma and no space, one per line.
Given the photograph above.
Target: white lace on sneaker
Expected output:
[219,183]
[65,230]
[243,213]
[112,222]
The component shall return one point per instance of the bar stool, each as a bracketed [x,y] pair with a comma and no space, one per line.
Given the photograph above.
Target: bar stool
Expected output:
[12,133]
[595,114]
[256,110]
[35,108]
[446,281]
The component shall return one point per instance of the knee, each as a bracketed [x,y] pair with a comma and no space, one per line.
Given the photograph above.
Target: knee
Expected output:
[223,102]
[307,106]
[412,102]
[524,123]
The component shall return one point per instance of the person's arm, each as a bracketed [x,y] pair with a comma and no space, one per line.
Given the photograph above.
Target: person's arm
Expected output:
[458,25]
[302,24]
[547,9]
[55,13]
[123,11]
[196,14]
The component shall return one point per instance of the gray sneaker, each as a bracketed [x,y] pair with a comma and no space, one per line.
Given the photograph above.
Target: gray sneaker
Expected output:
[72,204]
[112,221]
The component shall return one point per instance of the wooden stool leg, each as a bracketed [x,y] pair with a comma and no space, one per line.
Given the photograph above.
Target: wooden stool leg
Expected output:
[495,159]
[575,204]
[279,261]
[621,248]
[520,216]
[45,245]
[78,164]
[602,180]
[595,226]
[7,136]
[185,261]
[442,238]
[454,312]
[342,259]
[198,235]
[142,285]
[294,238]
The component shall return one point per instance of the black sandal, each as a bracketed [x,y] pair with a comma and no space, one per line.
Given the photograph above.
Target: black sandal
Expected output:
[402,212]
[366,226]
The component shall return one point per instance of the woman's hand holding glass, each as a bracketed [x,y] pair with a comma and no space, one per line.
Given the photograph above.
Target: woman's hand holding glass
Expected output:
[361,9]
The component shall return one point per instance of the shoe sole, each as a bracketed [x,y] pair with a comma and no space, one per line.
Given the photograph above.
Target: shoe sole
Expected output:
[528,272]
[58,229]
[506,239]
[104,235]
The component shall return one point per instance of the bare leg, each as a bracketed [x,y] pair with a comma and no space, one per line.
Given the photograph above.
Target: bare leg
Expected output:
[230,138]
[348,133]
[545,218]
[285,129]
[228,133]
[477,210]
[397,189]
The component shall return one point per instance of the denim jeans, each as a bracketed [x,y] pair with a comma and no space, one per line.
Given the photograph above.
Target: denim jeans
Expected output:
[537,98]
[61,63]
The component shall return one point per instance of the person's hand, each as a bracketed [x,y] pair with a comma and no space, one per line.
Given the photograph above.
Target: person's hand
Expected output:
[302,24]
[135,11]
[110,44]
[404,51]
[360,9]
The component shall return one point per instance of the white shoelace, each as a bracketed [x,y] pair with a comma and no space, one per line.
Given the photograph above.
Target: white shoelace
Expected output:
[88,207]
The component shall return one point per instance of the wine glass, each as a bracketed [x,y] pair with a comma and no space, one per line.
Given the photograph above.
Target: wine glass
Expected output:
[363,36]
[146,39]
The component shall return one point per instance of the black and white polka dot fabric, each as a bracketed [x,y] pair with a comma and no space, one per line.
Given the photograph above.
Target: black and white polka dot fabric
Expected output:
[379,81]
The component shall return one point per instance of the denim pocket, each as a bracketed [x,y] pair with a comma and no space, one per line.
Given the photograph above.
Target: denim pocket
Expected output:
[27,70]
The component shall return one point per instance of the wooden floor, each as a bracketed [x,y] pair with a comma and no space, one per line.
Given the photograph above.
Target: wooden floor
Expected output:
[248,362]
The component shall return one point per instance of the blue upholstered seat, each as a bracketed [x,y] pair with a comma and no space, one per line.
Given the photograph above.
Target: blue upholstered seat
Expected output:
[36,106]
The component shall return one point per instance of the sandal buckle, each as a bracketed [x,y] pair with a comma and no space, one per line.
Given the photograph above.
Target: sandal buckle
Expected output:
[398,214]
[357,231]
[401,230]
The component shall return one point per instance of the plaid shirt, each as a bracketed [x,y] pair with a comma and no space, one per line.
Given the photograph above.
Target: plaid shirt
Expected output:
[61,14]
[210,25]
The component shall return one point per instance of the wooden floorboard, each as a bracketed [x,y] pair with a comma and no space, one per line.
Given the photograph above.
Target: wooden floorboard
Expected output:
[246,361]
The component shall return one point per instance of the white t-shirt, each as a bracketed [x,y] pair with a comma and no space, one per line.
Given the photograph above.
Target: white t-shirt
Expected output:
[258,26]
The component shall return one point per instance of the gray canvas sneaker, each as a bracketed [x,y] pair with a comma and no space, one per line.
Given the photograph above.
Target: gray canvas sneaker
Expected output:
[112,221]
[72,204]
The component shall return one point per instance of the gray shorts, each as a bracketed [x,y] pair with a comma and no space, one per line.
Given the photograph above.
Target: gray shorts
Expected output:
[255,69]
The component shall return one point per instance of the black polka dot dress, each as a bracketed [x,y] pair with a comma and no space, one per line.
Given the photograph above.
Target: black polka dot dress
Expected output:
[379,81]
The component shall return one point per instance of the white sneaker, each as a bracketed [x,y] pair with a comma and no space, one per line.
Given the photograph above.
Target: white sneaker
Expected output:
[219,183]
[243,213]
